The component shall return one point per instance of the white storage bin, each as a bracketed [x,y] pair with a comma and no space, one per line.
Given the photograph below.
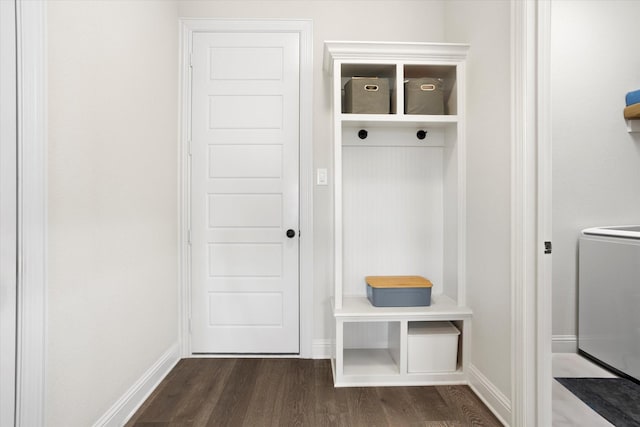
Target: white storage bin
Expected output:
[432,347]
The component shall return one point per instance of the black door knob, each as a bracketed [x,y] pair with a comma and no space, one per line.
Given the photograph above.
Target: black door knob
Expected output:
[291,234]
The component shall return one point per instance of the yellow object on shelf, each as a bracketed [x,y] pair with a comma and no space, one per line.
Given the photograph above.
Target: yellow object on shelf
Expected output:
[398,282]
[632,112]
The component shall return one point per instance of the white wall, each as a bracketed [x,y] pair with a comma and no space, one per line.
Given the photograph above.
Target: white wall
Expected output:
[485,25]
[112,281]
[596,163]
[380,20]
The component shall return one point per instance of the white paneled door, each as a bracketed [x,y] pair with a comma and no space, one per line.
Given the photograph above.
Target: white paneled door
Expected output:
[244,193]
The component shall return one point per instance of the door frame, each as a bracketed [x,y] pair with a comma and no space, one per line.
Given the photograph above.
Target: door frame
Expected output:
[303,27]
[544,215]
[8,211]
[531,271]
[31,212]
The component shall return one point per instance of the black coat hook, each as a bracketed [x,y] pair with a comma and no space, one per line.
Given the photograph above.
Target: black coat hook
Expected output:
[421,134]
[362,134]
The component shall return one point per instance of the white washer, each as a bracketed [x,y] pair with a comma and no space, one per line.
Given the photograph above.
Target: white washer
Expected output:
[609,297]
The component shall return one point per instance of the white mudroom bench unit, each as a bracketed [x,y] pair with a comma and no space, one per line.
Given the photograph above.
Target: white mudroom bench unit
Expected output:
[399,200]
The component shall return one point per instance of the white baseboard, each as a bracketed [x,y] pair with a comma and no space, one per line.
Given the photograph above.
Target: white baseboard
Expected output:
[495,400]
[321,349]
[564,344]
[129,403]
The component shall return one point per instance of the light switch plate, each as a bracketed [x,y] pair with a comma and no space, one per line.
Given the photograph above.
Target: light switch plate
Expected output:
[321,176]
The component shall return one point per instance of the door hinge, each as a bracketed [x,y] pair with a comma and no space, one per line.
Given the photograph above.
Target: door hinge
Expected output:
[189,237]
[189,147]
[191,59]
[547,247]
[189,324]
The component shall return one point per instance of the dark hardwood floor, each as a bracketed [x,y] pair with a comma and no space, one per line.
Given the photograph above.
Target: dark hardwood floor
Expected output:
[300,392]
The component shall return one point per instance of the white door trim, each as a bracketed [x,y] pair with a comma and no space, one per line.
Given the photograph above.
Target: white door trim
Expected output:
[304,27]
[522,213]
[8,212]
[531,219]
[32,212]
[544,214]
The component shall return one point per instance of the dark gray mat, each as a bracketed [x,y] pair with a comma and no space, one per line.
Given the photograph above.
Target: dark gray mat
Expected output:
[616,399]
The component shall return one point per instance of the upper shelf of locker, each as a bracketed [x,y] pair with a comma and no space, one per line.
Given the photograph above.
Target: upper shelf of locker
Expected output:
[396,82]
